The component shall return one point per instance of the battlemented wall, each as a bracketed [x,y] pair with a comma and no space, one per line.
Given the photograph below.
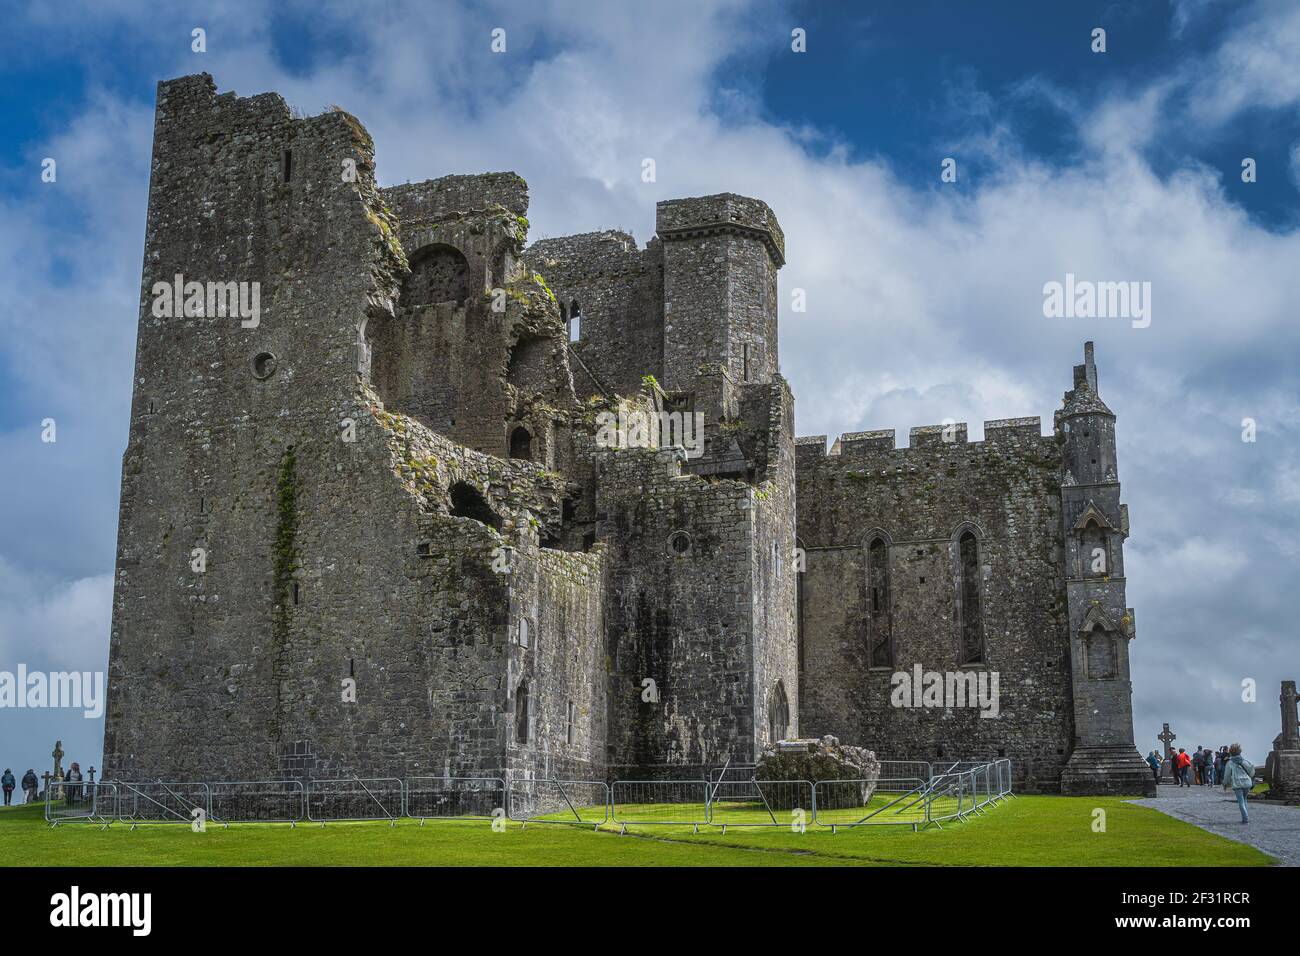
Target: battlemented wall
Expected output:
[920,499]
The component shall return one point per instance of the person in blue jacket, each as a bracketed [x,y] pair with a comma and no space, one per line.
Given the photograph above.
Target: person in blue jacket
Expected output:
[1239,776]
[1153,759]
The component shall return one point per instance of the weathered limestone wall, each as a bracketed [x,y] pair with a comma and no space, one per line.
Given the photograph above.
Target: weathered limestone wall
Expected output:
[618,292]
[919,499]
[326,558]
[721,257]
[1101,628]
[468,365]
[682,618]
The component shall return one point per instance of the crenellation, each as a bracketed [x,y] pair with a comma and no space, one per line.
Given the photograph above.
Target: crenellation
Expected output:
[1013,429]
[859,443]
[924,436]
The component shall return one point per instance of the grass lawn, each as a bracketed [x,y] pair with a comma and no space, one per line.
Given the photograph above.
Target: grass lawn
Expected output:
[1026,831]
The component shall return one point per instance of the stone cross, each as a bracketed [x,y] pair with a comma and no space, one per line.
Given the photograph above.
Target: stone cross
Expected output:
[1290,731]
[1167,737]
[57,754]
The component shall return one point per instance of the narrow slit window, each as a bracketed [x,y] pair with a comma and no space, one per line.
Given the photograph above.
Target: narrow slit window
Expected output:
[972,624]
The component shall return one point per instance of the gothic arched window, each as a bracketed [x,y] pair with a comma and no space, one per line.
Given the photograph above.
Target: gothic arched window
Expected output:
[970,610]
[1094,551]
[1101,654]
[880,631]
[439,273]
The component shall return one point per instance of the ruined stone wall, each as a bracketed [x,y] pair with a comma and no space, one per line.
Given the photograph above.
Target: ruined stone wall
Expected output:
[680,615]
[919,499]
[618,293]
[331,550]
[561,596]
[776,667]
[469,366]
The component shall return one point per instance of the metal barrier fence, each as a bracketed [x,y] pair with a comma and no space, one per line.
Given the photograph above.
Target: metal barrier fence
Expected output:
[903,801]
[379,798]
[573,802]
[85,802]
[159,802]
[738,772]
[454,798]
[760,803]
[905,769]
[659,803]
[934,795]
[257,801]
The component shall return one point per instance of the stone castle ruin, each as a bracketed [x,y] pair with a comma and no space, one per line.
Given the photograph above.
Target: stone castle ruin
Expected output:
[381,528]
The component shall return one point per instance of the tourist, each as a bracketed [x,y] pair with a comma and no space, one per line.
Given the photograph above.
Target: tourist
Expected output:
[1221,761]
[1239,776]
[1211,774]
[1153,759]
[8,781]
[1183,768]
[1198,765]
[74,778]
[30,784]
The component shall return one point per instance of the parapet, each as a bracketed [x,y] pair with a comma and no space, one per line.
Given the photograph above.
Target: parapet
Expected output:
[809,447]
[926,436]
[999,432]
[197,94]
[1013,429]
[438,198]
[600,253]
[725,212]
[857,443]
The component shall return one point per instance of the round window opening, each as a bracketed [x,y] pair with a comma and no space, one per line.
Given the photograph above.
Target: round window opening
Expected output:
[263,365]
[680,542]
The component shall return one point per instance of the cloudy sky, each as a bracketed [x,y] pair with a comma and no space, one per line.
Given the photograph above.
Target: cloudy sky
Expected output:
[924,298]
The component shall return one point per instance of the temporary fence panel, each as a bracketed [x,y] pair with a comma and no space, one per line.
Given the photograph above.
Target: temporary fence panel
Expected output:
[455,798]
[583,802]
[660,802]
[904,769]
[379,798]
[162,802]
[85,802]
[850,803]
[760,803]
[258,801]
[739,772]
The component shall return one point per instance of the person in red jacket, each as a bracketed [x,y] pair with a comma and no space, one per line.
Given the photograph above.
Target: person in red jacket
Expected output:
[1183,764]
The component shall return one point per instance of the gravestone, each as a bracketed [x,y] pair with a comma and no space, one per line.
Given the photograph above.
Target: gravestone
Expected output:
[1167,737]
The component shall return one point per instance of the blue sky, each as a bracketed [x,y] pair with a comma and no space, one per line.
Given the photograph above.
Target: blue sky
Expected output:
[924,297]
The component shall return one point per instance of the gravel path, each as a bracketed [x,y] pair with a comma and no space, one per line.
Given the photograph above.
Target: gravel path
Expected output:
[1273,828]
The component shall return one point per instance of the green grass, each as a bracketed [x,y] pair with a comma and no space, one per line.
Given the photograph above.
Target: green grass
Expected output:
[1026,831]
